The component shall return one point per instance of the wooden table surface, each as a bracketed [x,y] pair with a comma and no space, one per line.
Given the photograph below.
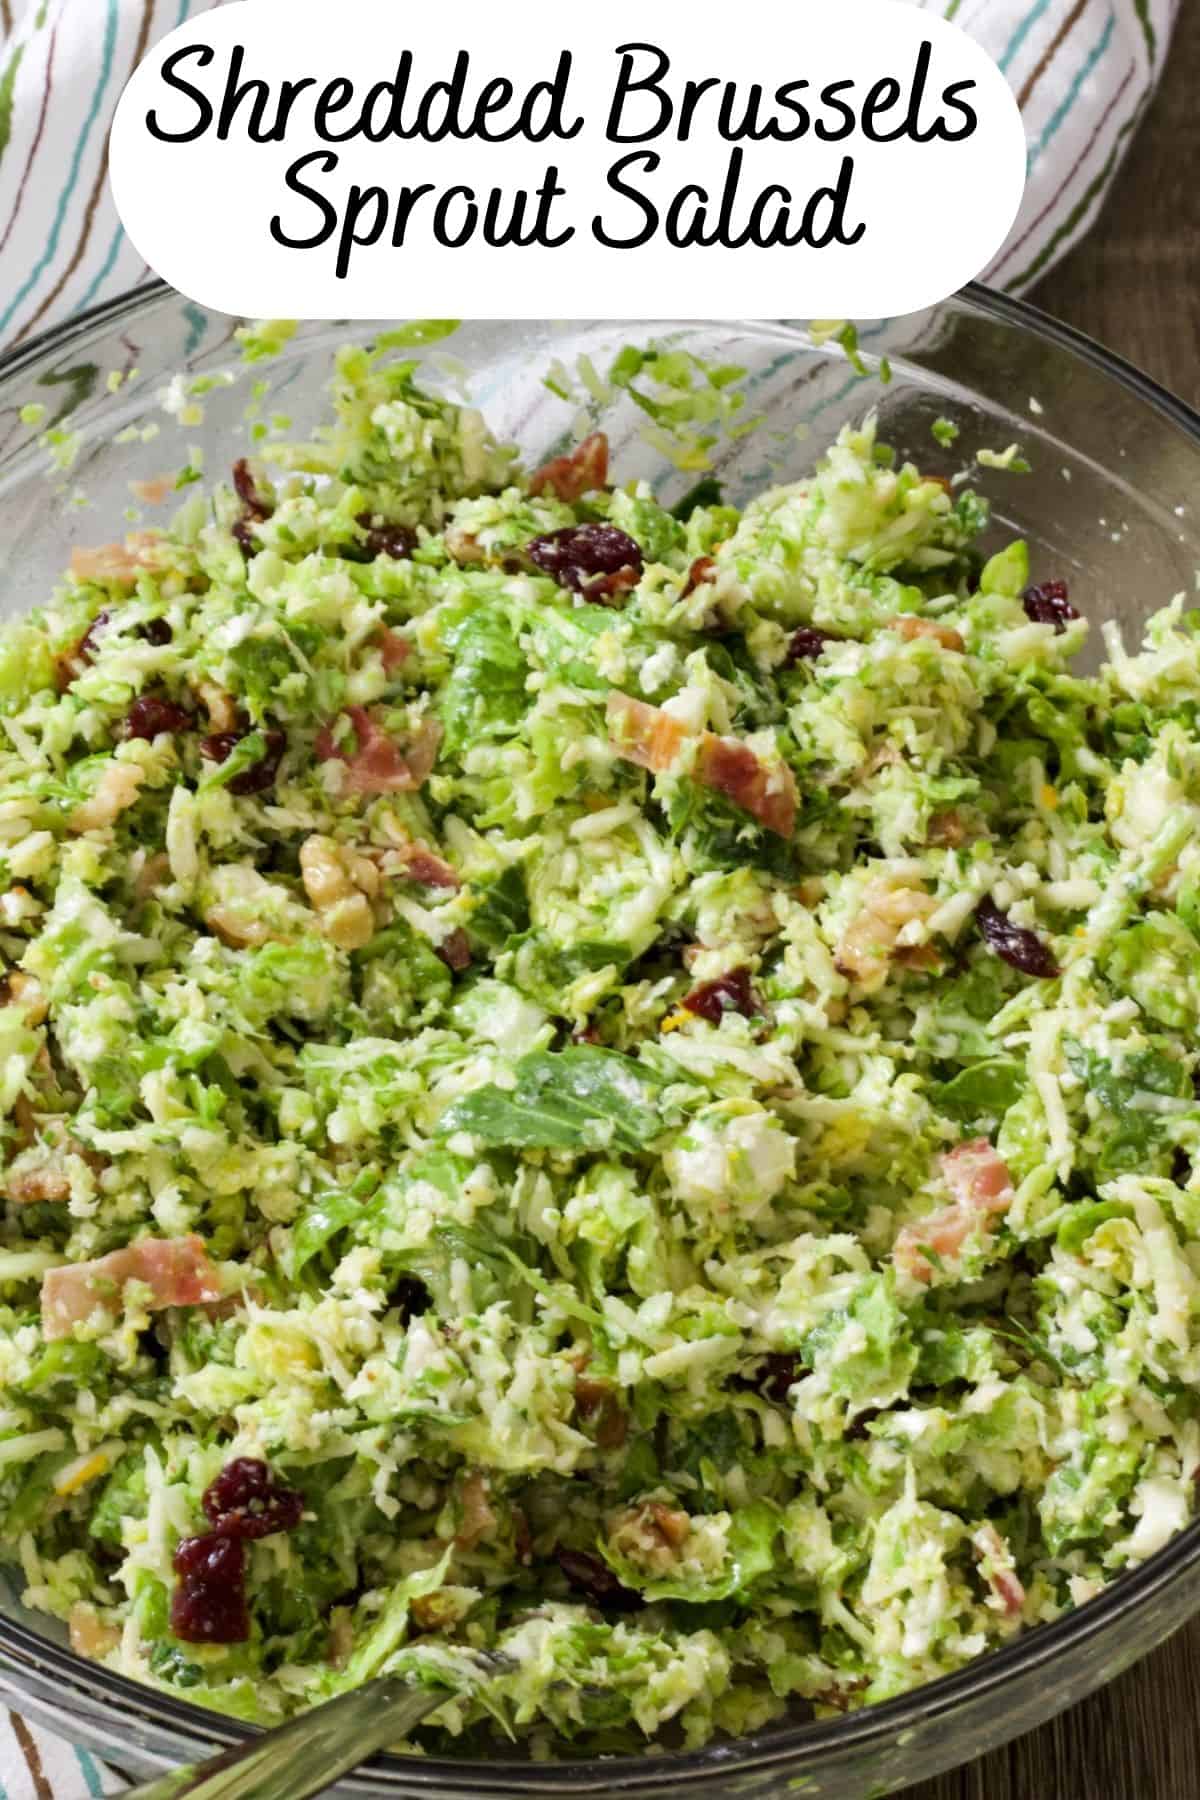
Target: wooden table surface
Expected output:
[1133,284]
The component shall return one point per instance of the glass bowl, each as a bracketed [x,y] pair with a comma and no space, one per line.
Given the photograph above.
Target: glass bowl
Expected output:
[1109,504]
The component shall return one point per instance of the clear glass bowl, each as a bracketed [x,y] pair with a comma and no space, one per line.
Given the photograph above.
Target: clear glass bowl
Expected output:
[1116,464]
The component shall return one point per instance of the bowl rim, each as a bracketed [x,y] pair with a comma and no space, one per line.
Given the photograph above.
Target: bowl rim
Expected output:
[24,1651]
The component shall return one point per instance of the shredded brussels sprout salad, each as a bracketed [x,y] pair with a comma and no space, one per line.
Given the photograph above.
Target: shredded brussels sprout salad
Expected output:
[608,1084]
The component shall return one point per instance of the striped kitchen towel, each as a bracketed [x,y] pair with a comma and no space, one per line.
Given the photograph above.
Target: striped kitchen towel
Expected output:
[35,1765]
[1083,71]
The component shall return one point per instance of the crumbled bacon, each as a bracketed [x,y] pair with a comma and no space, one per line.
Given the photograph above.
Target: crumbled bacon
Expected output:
[118,565]
[579,472]
[176,1270]
[455,950]
[978,1177]
[982,1187]
[702,572]
[424,865]
[731,768]
[376,764]
[653,738]
[394,651]
[998,1572]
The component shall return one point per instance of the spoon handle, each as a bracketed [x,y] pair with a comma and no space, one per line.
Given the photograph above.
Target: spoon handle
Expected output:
[303,1756]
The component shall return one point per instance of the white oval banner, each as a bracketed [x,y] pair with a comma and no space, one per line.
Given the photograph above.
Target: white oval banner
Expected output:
[831,158]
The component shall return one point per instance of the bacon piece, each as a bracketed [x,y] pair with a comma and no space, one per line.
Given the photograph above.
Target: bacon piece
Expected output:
[644,734]
[731,768]
[376,764]
[998,1572]
[394,651]
[120,564]
[982,1187]
[176,1270]
[423,864]
[702,572]
[652,738]
[579,472]
[909,627]
[978,1177]
[455,950]
[154,491]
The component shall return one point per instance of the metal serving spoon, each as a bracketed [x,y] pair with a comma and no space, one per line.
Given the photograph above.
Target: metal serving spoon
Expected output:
[302,1757]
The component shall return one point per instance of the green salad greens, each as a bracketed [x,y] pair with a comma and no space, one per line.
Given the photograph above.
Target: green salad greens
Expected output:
[608,1084]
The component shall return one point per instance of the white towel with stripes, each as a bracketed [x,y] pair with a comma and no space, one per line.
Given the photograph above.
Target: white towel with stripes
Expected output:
[1083,71]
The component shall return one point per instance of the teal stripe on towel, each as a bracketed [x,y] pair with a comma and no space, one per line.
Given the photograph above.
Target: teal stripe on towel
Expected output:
[90,1773]
[39,267]
[1021,33]
[1061,113]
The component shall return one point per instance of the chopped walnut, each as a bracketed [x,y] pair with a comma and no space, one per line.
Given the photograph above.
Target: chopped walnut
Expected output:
[19,989]
[117,788]
[907,626]
[651,1536]
[341,884]
[90,1636]
[463,547]
[478,1519]
[221,707]
[154,873]
[947,830]
[869,942]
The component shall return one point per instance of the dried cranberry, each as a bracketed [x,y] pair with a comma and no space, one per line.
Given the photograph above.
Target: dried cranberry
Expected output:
[85,649]
[593,1577]
[396,541]
[1046,603]
[152,713]
[598,561]
[259,775]
[1018,946]
[254,507]
[410,1297]
[777,1372]
[246,1501]
[208,1605]
[711,1000]
[806,645]
[156,632]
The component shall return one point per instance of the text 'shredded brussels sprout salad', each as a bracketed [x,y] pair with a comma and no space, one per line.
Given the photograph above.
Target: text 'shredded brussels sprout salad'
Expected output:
[598,1083]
